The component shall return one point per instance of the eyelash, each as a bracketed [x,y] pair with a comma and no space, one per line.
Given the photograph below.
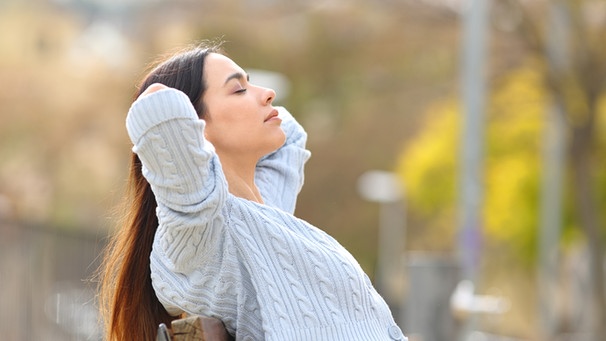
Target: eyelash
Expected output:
[240,91]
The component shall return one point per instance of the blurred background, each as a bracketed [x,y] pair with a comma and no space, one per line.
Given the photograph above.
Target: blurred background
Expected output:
[459,149]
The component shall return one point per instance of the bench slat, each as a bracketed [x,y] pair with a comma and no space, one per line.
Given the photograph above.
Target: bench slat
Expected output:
[199,328]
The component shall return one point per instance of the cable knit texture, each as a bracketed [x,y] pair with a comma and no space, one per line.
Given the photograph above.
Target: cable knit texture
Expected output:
[265,273]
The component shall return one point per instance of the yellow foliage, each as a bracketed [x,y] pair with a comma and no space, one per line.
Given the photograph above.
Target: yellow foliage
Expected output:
[429,160]
[429,164]
[516,113]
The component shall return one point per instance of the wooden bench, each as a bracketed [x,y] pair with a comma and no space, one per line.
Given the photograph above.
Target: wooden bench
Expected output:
[194,328]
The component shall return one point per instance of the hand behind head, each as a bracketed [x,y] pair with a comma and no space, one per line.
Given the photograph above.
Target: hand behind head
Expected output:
[153,88]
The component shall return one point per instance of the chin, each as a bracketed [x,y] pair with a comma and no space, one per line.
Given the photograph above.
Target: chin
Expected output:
[279,142]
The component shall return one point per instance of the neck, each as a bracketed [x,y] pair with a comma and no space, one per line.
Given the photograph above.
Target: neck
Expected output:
[240,176]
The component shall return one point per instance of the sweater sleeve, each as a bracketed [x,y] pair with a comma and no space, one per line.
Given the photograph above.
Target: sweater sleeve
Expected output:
[184,173]
[279,175]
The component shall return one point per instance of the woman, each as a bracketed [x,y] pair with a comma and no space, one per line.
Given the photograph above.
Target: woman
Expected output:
[215,173]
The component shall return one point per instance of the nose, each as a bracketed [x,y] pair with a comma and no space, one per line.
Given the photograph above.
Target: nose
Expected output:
[268,95]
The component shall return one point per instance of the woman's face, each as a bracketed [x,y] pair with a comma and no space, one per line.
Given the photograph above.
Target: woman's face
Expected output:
[240,118]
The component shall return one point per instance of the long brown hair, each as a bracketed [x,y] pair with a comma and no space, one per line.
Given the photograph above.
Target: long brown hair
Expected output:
[128,304]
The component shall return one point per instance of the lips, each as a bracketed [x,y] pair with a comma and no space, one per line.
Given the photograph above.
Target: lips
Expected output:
[272,114]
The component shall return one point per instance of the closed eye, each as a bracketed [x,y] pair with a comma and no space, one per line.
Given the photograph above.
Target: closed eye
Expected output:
[239,91]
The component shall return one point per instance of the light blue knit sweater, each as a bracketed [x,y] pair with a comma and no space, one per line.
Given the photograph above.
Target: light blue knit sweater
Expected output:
[265,273]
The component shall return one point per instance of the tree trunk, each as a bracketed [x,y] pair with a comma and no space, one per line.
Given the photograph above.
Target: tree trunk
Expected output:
[586,207]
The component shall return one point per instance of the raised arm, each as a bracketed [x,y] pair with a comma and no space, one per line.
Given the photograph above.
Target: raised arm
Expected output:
[279,175]
[183,171]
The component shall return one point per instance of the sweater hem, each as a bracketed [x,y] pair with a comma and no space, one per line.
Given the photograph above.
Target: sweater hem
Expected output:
[359,331]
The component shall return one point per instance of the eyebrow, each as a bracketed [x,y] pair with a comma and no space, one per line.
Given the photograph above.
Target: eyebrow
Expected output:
[238,76]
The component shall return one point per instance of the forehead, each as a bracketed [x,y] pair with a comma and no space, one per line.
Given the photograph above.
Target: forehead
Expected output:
[218,68]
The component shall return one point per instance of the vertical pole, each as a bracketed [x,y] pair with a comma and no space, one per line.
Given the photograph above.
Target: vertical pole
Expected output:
[553,167]
[475,28]
[390,268]
[386,189]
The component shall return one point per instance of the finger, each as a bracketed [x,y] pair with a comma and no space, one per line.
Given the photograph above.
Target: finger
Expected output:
[153,88]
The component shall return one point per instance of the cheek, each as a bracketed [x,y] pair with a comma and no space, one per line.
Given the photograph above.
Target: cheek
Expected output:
[225,133]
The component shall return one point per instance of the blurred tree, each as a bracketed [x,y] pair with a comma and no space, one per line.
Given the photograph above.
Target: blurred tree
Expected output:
[429,165]
[578,88]
[514,129]
[516,114]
